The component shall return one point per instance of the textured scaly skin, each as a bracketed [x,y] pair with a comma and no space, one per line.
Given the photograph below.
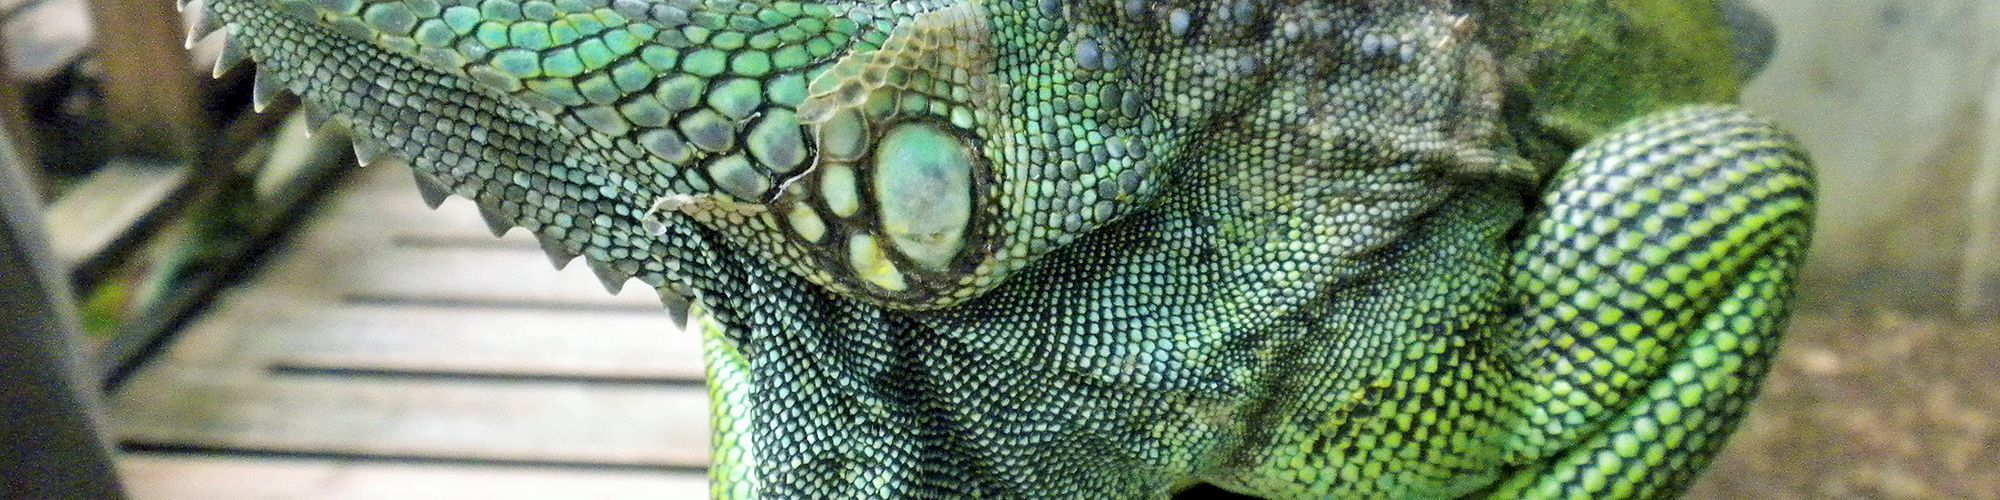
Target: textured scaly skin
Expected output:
[1118,248]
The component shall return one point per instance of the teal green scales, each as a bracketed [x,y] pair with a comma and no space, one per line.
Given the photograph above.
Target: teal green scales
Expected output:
[1121,248]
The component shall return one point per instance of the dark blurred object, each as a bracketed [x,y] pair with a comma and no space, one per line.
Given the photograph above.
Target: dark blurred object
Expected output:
[1752,35]
[66,116]
[48,93]
[51,443]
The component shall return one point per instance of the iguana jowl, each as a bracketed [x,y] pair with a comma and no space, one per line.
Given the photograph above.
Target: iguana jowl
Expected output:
[1118,248]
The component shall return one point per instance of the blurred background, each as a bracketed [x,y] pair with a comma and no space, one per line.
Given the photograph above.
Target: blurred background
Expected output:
[1885,385]
[271,321]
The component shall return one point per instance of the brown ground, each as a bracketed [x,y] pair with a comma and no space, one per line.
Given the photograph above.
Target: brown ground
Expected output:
[1881,405]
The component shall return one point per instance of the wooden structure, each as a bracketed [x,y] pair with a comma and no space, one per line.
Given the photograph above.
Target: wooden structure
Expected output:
[384,353]
[51,445]
[390,348]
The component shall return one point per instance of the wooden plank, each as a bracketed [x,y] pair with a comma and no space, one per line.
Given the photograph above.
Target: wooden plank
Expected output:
[353,263]
[507,422]
[108,205]
[44,37]
[265,330]
[408,341]
[175,476]
[361,249]
[523,354]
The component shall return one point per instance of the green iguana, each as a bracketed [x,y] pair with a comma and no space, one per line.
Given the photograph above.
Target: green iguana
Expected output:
[1123,248]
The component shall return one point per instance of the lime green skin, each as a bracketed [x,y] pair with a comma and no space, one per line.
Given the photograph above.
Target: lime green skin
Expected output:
[1290,249]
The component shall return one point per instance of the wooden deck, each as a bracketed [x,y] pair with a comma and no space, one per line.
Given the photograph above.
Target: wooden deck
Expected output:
[395,352]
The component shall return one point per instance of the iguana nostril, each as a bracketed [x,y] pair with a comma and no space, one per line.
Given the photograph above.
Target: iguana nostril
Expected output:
[922,179]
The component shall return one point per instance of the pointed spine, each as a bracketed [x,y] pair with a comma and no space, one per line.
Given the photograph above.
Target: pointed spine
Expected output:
[316,117]
[676,303]
[233,53]
[494,222]
[365,150]
[613,281]
[264,89]
[200,25]
[432,190]
[559,255]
